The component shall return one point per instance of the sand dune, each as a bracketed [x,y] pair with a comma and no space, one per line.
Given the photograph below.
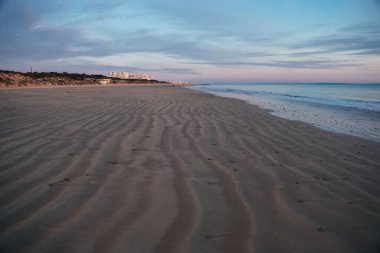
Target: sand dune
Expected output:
[167,169]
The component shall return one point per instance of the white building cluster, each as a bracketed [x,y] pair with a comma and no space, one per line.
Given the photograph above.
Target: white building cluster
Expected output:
[126,75]
[176,82]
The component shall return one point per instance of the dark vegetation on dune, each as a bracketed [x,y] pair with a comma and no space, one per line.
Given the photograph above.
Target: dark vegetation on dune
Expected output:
[19,79]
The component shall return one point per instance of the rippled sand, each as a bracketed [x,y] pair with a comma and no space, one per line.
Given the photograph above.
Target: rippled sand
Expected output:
[166,169]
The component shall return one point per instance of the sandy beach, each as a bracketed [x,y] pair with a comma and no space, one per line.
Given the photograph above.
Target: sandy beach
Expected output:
[168,169]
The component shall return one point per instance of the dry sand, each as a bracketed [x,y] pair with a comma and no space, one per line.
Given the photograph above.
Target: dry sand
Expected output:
[168,169]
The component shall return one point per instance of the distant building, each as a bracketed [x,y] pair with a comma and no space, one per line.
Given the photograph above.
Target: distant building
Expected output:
[126,75]
[105,81]
[179,82]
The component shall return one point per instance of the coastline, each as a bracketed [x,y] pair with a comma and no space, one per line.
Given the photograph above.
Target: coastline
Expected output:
[90,86]
[12,79]
[351,116]
[168,169]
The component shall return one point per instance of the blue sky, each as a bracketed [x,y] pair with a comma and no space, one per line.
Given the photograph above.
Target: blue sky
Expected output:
[199,41]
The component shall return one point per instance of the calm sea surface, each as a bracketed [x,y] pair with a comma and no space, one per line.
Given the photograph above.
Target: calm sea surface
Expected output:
[344,108]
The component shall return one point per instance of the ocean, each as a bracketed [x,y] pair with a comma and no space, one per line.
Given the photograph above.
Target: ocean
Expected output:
[352,109]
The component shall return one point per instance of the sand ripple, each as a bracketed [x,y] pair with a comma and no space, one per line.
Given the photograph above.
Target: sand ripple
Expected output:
[172,170]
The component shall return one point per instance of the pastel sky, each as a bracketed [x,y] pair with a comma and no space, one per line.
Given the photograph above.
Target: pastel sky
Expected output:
[202,41]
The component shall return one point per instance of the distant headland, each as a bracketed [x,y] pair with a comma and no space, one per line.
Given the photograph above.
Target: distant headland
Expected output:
[12,79]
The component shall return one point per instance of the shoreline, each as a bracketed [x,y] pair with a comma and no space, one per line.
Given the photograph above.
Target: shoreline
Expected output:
[12,79]
[91,86]
[158,169]
[336,119]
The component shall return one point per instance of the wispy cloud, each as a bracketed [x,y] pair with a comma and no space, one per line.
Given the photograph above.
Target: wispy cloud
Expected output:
[188,37]
[299,64]
[356,39]
[177,71]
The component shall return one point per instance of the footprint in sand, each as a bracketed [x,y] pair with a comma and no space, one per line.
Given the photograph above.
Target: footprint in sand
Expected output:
[322,229]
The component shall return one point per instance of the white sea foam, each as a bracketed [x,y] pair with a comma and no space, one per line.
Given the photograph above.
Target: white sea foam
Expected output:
[349,109]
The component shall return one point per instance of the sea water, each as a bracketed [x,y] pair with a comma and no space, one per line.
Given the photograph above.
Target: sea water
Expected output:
[344,108]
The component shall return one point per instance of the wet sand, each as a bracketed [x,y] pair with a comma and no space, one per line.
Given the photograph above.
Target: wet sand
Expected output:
[167,169]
